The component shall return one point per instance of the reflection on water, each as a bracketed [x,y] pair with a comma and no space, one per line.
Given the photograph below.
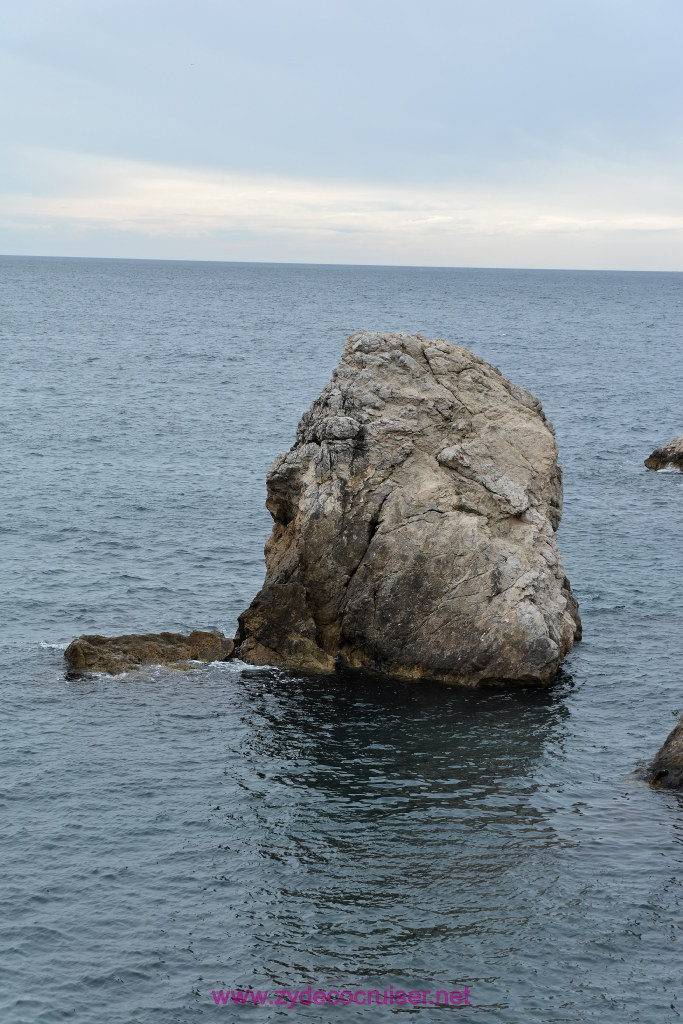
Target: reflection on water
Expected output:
[411,810]
[227,828]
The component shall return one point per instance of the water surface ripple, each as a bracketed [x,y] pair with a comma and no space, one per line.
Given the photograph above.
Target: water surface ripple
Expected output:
[168,834]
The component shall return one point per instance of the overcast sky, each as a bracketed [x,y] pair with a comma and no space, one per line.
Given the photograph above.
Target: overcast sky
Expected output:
[533,133]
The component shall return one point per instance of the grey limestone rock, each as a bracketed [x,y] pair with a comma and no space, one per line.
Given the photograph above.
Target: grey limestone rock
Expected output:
[414,525]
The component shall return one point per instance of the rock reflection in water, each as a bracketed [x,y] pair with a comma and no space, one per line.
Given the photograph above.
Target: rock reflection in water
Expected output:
[399,822]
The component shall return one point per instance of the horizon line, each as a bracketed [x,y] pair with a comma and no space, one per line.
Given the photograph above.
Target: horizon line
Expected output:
[367,266]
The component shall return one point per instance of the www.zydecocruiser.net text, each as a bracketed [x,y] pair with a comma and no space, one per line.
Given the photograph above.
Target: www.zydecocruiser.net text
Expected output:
[342,997]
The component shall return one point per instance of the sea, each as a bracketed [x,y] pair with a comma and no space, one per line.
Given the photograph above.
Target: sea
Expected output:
[170,840]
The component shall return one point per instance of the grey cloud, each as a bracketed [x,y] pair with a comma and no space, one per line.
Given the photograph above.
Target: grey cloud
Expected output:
[377,91]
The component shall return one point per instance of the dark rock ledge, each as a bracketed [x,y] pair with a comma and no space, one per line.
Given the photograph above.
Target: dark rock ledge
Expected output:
[115,654]
[666,771]
[668,456]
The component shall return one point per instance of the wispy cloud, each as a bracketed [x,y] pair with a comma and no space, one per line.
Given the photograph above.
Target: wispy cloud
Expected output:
[602,214]
[488,134]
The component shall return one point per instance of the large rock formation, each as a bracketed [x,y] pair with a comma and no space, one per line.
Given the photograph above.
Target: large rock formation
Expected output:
[114,654]
[666,771]
[669,456]
[415,523]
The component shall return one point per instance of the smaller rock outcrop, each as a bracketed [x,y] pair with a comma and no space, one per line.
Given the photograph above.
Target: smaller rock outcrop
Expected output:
[669,456]
[115,654]
[666,771]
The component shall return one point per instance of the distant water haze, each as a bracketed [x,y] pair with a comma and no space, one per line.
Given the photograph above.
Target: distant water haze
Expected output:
[168,834]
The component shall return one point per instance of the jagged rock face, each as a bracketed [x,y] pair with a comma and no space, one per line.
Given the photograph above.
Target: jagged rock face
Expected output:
[415,522]
[666,771]
[114,654]
[668,456]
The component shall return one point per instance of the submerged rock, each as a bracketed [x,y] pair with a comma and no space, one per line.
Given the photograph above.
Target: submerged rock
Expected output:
[669,455]
[666,771]
[415,522]
[114,654]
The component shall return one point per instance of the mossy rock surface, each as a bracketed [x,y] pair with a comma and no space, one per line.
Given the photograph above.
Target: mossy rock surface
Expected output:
[116,654]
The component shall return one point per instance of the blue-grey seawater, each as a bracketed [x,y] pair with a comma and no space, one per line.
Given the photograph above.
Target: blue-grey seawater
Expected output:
[168,834]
